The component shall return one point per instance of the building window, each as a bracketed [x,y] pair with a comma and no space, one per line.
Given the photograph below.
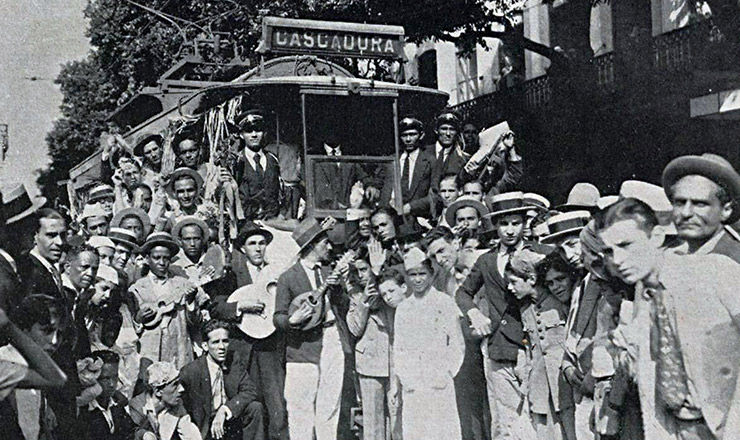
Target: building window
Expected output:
[466,72]
[428,69]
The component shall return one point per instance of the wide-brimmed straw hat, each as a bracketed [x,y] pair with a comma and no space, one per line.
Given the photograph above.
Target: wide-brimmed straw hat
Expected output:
[132,212]
[464,202]
[124,237]
[190,220]
[714,167]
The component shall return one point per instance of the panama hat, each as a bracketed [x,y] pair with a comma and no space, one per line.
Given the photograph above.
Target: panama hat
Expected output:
[536,202]
[179,173]
[190,220]
[100,241]
[564,224]
[583,196]
[132,212]
[92,210]
[160,239]
[464,202]
[107,273]
[17,203]
[714,167]
[124,237]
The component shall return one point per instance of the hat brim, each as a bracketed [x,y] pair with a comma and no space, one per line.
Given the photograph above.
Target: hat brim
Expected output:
[551,238]
[37,204]
[134,247]
[459,204]
[688,165]
[170,188]
[195,221]
[313,239]
[171,245]
[128,212]
[570,208]
[520,210]
[242,237]
[139,147]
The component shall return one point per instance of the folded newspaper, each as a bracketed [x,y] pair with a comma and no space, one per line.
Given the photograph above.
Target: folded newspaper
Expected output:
[489,140]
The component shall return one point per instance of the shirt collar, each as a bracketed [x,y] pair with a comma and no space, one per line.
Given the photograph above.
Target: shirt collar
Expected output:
[709,246]
[503,249]
[330,151]
[310,267]
[412,156]
[156,280]
[96,405]
[212,365]
[47,264]
[185,261]
[10,259]
[67,282]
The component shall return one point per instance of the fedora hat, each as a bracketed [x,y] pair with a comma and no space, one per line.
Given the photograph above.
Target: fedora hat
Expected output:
[160,239]
[583,196]
[565,224]
[712,166]
[179,173]
[17,203]
[190,220]
[307,232]
[100,241]
[248,229]
[132,212]
[124,237]
[507,203]
[145,139]
[464,202]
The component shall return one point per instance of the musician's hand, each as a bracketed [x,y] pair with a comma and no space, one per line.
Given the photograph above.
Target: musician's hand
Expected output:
[206,273]
[219,420]
[146,313]
[333,279]
[480,324]
[301,314]
[248,306]
[458,229]
[406,209]
[573,376]
[508,140]
[225,176]
[149,436]
[190,293]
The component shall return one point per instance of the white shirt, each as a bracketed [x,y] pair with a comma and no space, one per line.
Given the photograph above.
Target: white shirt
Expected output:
[502,257]
[249,155]
[107,414]
[218,390]
[412,163]
[438,148]
[311,274]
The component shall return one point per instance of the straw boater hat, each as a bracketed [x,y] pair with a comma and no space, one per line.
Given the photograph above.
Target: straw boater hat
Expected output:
[713,167]
[100,191]
[144,140]
[190,220]
[132,212]
[567,223]
[464,202]
[99,241]
[507,203]
[607,201]
[179,173]
[582,197]
[124,237]
[536,202]
[250,228]
[108,274]
[17,204]
[307,232]
[160,239]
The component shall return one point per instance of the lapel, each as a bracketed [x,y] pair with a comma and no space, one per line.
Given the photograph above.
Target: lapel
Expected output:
[8,269]
[727,246]
[232,375]
[302,283]
[205,390]
[586,306]
[419,168]
[243,277]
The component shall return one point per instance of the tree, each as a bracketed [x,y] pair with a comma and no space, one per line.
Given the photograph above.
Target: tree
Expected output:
[134,42]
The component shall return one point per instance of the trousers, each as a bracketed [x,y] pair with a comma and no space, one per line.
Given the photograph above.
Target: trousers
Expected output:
[509,416]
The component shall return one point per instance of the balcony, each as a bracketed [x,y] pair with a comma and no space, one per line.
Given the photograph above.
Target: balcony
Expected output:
[672,51]
[537,92]
[604,65]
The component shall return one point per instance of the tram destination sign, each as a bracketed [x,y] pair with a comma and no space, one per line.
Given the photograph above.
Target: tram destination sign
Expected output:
[311,37]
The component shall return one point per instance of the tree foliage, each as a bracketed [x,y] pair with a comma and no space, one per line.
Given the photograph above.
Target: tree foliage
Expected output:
[134,42]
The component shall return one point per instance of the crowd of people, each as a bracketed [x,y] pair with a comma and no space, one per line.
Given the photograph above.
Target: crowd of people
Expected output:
[477,311]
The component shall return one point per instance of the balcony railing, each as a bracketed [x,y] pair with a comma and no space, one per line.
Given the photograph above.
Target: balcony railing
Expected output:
[537,92]
[672,50]
[604,65]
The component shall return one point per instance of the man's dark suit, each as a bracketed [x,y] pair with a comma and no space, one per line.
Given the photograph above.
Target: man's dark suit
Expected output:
[259,194]
[241,394]
[36,277]
[266,366]
[506,322]
[728,246]
[333,184]
[421,179]
[454,163]
[11,291]
[94,426]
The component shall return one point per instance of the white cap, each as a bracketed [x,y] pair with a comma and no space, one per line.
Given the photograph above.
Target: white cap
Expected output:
[99,241]
[107,273]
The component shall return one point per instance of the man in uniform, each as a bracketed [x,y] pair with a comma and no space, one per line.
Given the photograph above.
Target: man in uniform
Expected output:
[449,157]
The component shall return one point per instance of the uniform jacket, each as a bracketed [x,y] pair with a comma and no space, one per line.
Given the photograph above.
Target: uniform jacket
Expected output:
[421,179]
[11,291]
[260,197]
[305,346]
[506,339]
[373,329]
[197,398]
[544,323]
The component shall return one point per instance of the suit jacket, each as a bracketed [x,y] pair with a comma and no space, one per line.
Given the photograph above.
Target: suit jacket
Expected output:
[36,277]
[11,290]
[508,335]
[305,346]
[332,184]
[421,179]
[582,324]
[454,164]
[374,332]
[260,196]
[95,427]
[728,246]
[197,398]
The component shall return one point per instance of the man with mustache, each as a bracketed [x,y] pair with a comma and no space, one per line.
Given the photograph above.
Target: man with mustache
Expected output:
[704,191]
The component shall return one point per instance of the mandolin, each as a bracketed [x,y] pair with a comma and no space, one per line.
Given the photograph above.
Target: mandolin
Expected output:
[315,298]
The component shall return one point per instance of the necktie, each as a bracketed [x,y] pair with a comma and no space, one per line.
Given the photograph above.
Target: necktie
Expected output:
[258,165]
[671,381]
[405,175]
[317,276]
[57,277]
[217,389]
